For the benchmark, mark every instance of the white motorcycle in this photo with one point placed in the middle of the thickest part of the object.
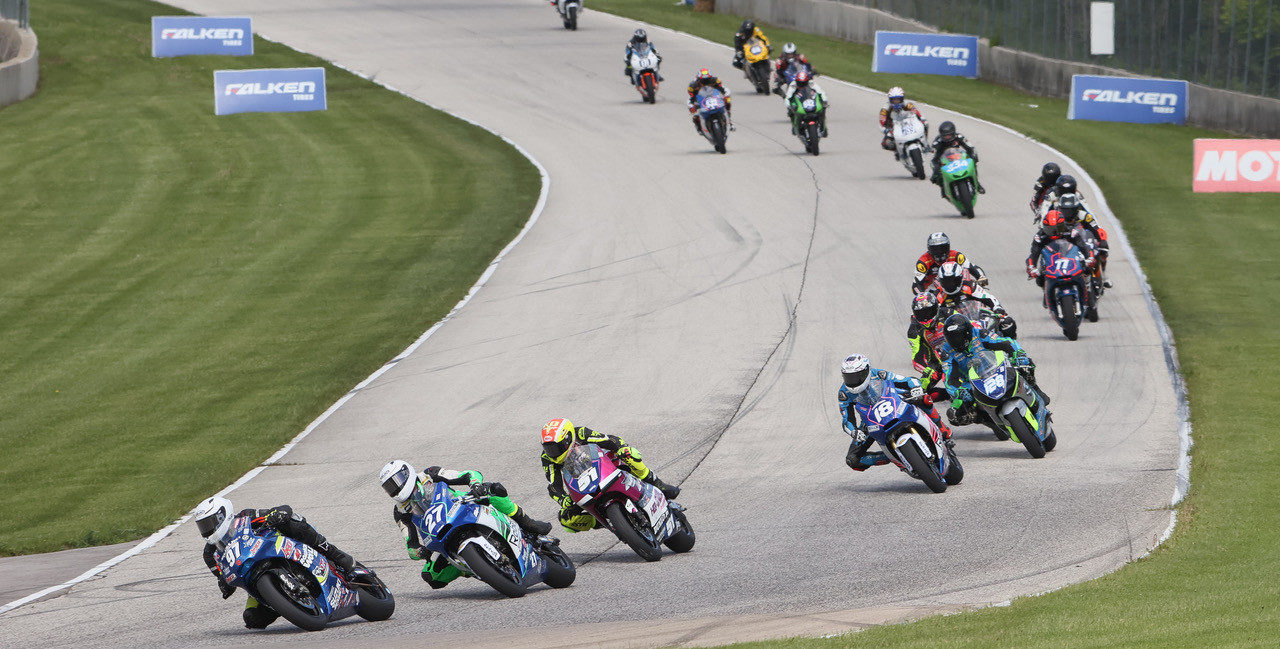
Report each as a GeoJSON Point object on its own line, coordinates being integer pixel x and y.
{"type": "Point", "coordinates": [909, 136]}
{"type": "Point", "coordinates": [569, 10]}
{"type": "Point", "coordinates": [644, 72]}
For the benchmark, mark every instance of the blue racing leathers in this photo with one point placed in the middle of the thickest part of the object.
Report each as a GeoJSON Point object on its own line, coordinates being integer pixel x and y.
{"type": "Point", "coordinates": [956, 363]}
{"type": "Point", "coordinates": [853, 415]}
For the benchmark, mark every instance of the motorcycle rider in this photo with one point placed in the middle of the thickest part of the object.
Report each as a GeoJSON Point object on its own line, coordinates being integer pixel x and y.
{"type": "Point", "coordinates": [1049, 175]}
{"type": "Point", "coordinates": [1074, 214]}
{"type": "Point", "coordinates": [400, 481]}
{"type": "Point", "coordinates": [897, 101]}
{"type": "Point", "coordinates": [924, 334]}
{"type": "Point", "coordinates": [1054, 227]}
{"type": "Point", "coordinates": [802, 81]}
{"type": "Point", "coordinates": [558, 436]}
{"type": "Point", "coordinates": [947, 138]}
{"type": "Point", "coordinates": [963, 339]}
{"type": "Point", "coordinates": [744, 34]}
{"type": "Point", "coordinates": [707, 80]}
{"type": "Point", "coordinates": [938, 252]}
{"type": "Point", "coordinates": [855, 397]}
{"type": "Point", "coordinates": [789, 56]}
{"type": "Point", "coordinates": [956, 288]}
{"type": "Point", "coordinates": [640, 36]}
{"type": "Point", "coordinates": [214, 520]}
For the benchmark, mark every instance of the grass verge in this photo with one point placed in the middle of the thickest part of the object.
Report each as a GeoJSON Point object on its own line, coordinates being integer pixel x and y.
{"type": "Point", "coordinates": [182, 292]}
{"type": "Point", "coordinates": [1213, 267]}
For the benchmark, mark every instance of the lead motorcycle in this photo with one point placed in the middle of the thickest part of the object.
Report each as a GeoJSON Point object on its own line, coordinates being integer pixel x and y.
{"type": "Point", "coordinates": [713, 111]}
{"type": "Point", "coordinates": [296, 581]}
{"type": "Point", "coordinates": [910, 439]}
{"type": "Point", "coordinates": [636, 511]}
{"type": "Point", "coordinates": [1012, 402]}
{"type": "Point", "coordinates": [644, 71]}
{"type": "Point", "coordinates": [569, 10]}
{"type": "Point", "coordinates": [756, 64]}
{"type": "Point", "coordinates": [910, 137]}
{"type": "Point", "coordinates": [483, 542]}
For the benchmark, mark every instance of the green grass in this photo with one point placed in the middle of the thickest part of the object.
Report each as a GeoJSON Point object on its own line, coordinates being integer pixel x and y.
{"type": "Point", "coordinates": [182, 293]}
{"type": "Point", "coordinates": [1212, 262]}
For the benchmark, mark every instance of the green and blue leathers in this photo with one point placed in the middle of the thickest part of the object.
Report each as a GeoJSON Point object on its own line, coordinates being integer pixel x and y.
{"type": "Point", "coordinates": [955, 363]}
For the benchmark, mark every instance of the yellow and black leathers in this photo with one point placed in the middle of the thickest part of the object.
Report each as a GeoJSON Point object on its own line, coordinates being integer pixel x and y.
{"type": "Point", "coordinates": [572, 517]}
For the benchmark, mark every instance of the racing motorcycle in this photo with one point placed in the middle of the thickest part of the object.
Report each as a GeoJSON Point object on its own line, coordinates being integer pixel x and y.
{"type": "Point", "coordinates": [911, 139]}
{"type": "Point", "coordinates": [1068, 286]}
{"type": "Point", "coordinates": [756, 67]}
{"type": "Point", "coordinates": [958, 174]}
{"type": "Point", "coordinates": [644, 71]}
{"type": "Point", "coordinates": [569, 10]}
{"type": "Point", "coordinates": [808, 113]}
{"type": "Point", "coordinates": [1013, 404]}
{"type": "Point", "coordinates": [634, 510]}
{"type": "Point", "coordinates": [299, 583]}
{"type": "Point", "coordinates": [713, 112]}
{"type": "Point", "coordinates": [483, 542]}
{"type": "Point", "coordinates": [910, 439]}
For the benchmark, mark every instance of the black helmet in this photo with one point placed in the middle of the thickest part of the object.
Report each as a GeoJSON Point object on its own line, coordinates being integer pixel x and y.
{"type": "Point", "coordinates": [939, 246]}
{"type": "Point", "coordinates": [1050, 172]}
{"type": "Point", "coordinates": [640, 36]}
{"type": "Point", "coordinates": [947, 129]}
{"type": "Point", "coordinates": [1069, 206]}
{"type": "Point", "coordinates": [748, 27]}
{"type": "Point", "coordinates": [924, 308]}
{"type": "Point", "coordinates": [958, 332]}
{"type": "Point", "coordinates": [1066, 185]}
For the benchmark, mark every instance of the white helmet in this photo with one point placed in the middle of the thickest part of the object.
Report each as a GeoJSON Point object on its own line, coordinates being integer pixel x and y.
{"type": "Point", "coordinates": [857, 372]}
{"type": "Point", "coordinates": [789, 48]}
{"type": "Point", "coordinates": [898, 93]}
{"type": "Point", "coordinates": [213, 518]}
{"type": "Point", "coordinates": [951, 277]}
{"type": "Point", "coordinates": [398, 479]}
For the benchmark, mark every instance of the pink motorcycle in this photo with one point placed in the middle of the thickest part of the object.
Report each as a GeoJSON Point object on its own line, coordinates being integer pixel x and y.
{"type": "Point", "coordinates": [636, 511]}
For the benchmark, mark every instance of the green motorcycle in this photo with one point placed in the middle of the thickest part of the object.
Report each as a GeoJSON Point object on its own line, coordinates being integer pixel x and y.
{"type": "Point", "coordinates": [808, 118]}
{"type": "Point", "coordinates": [959, 179]}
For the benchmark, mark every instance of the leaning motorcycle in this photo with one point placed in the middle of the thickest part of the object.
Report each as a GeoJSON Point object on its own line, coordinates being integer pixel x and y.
{"type": "Point", "coordinates": [299, 583]}
{"type": "Point", "coordinates": [910, 138]}
{"type": "Point", "coordinates": [483, 542]}
{"type": "Point", "coordinates": [713, 113]}
{"type": "Point", "coordinates": [1068, 290]}
{"type": "Point", "coordinates": [756, 66]}
{"type": "Point", "coordinates": [958, 180]}
{"type": "Point", "coordinates": [1011, 402]}
{"type": "Point", "coordinates": [910, 439]}
{"type": "Point", "coordinates": [644, 71]}
{"type": "Point", "coordinates": [808, 112]}
{"type": "Point", "coordinates": [569, 10]}
{"type": "Point", "coordinates": [636, 511]}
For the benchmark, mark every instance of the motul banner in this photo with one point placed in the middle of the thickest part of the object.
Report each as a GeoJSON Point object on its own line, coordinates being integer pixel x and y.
{"type": "Point", "coordinates": [1236, 166]}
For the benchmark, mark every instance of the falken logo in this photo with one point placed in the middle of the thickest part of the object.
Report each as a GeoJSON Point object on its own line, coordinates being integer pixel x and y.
{"type": "Point", "coordinates": [1131, 97]}
{"type": "Point", "coordinates": [278, 88]}
{"type": "Point", "coordinates": [931, 51]}
{"type": "Point", "coordinates": [206, 33]}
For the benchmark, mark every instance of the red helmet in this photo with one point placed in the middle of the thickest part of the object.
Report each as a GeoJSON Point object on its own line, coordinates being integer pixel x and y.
{"type": "Point", "coordinates": [802, 78]}
{"type": "Point", "coordinates": [1053, 219]}
{"type": "Point", "coordinates": [705, 74]}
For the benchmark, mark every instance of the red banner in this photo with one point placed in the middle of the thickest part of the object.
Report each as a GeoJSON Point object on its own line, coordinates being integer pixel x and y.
{"type": "Point", "coordinates": [1236, 166]}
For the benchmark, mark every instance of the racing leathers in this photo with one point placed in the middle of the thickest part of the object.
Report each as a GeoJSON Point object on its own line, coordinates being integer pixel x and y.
{"type": "Point", "coordinates": [740, 39]}
{"type": "Point", "coordinates": [853, 415]}
{"type": "Point", "coordinates": [438, 571]}
{"type": "Point", "coordinates": [927, 269]}
{"type": "Point", "coordinates": [631, 49]}
{"type": "Point", "coordinates": [1046, 235]}
{"type": "Point", "coordinates": [940, 145]}
{"type": "Point", "coordinates": [283, 520]}
{"type": "Point", "coordinates": [886, 124]}
{"type": "Point", "coordinates": [698, 84]}
{"type": "Point", "coordinates": [791, 113]}
{"type": "Point", "coordinates": [956, 368]}
{"type": "Point", "coordinates": [780, 71]}
{"type": "Point", "coordinates": [925, 340]}
{"type": "Point", "coordinates": [575, 518]}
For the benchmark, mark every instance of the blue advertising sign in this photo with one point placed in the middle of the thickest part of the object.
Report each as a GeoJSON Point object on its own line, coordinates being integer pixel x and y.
{"type": "Point", "coordinates": [951, 54]}
{"type": "Point", "coordinates": [183, 35]}
{"type": "Point", "coordinates": [271, 90]}
{"type": "Point", "coordinates": [1126, 99]}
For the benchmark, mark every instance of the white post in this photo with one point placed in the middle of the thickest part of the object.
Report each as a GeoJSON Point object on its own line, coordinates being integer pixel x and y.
{"type": "Point", "coordinates": [1102, 28]}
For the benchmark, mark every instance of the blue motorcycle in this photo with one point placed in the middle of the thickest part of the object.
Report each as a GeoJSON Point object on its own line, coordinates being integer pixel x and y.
{"type": "Point", "coordinates": [1011, 401]}
{"type": "Point", "coordinates": [296, 581]}
{"type": "Point", "coordinates": [713, 111]}
{"type": "Point", "coordinates": [910, 439]}
{"type": "Point", "coordinates": [1068, 294]}
{"type": "Point", "coordinates": [483, 542]}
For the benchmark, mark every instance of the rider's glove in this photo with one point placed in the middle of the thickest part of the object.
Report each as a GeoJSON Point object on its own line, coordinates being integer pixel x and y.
{"type": "Point", "coordinates": [227, 589]}
{"type": "Point", "coordinates": [1022, 360]}
{"type": "Point", "coordinates": [277, 516]}
{"type": "Point", "coordinates": [479, 490]}
{"type": "Point", "coordinates": [496, 489]}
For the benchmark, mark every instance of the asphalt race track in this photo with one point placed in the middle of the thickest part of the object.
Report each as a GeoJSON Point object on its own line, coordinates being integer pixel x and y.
{"type": "Point", "coordinates": [698, 305]}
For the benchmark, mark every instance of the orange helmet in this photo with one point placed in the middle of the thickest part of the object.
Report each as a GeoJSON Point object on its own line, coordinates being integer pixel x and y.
{"type": "Point", "coordinates": [705, 74]}
{"type": "Point", "coordinates": [557, 437]}
{"type": "Point", "coordinates": [1054, 222]}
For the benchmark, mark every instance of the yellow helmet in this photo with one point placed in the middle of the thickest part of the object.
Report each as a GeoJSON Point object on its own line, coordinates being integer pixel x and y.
{"type": "Point", "coordinates": [557, 437]}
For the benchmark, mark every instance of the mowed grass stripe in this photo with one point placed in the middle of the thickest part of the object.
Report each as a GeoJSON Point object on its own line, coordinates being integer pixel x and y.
{"type": "Point", "coordinates": [182, 292]}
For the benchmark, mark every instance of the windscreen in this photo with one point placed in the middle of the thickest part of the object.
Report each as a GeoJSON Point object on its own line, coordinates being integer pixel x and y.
{"type": "Point", "coordinates": [581, 457]}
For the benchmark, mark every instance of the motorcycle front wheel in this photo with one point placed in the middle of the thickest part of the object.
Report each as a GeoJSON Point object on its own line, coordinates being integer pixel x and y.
{"type": "Point", "coordinates": [683, 539]}
{"type": "Point", "coordinates": [927, 473]}
{"type": "Point", "coordinates": [1028, 438]}
{"type": "Point", "coordinates": [917, 164]}
{"type": "Point", "coordinates": [642, 541]}
{"type": "Point", "coordinates": [814, 135]}
{"type": "Point", "coordinates": [560, 569]}
{"type": "Point", "coordinates": [376, 601]}
{"type": "Point", "coordinates": [501, 580]}
{"type": "Point", "coordinates": [302, 610]}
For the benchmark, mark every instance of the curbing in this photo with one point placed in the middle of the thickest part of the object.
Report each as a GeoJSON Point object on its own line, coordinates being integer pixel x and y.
{"type": "Point", "coordinates": [278, 455]}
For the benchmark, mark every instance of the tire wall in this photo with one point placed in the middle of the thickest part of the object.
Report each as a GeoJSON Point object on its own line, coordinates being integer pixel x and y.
{"type": "Point", "coordinates": [19, 63]}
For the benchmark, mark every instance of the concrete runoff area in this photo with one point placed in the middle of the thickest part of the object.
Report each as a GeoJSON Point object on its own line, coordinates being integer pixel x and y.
{"type": "Point", "coordinates": [698, 305]}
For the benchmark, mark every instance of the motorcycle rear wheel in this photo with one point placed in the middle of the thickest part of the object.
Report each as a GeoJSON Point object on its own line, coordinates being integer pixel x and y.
{"type": "Point", "coordinates": [275, 597]}
{"type": "Point", "coordinates": [927, 473]}
{"type": "Point", "coordinates": [647, 548]}
{"type": "Point", "coordinates": [480, 563]}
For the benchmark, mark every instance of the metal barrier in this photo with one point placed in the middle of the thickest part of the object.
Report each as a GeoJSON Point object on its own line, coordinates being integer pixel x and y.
{"type": "Point", "coordinates": [1219, 43]}
{"type": "Point", "coordinates": [17, 10]}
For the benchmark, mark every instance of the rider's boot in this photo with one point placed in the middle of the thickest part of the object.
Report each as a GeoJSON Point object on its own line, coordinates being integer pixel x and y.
{"type": "Point", "coordinates": [697, 124]}
{"type": "Point", "coordinates": [669, 490]}
{"type": "Point", "coordinates": [338, 558]}
{"type": "Point", "coordinates": [257, 616]}
{"type": "Point", "coordinates": [530, 525]}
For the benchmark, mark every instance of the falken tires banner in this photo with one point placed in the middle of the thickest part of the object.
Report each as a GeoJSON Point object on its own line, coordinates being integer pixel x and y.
{"type": "Point", "coordinates": [1236, 166]}
{"type": "Point", "coordinates": [950, 54]}
{"type": "Point", "coordinates": [1128, 99]}
{"type": "Point", "coordinates": [186, 35]}
{"type": "Point", "coordinates": [270, 90]}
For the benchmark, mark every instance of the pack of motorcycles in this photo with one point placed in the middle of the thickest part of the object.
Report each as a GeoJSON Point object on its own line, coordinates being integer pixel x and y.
{"type": "Point", "coordinates": [485, 544]}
